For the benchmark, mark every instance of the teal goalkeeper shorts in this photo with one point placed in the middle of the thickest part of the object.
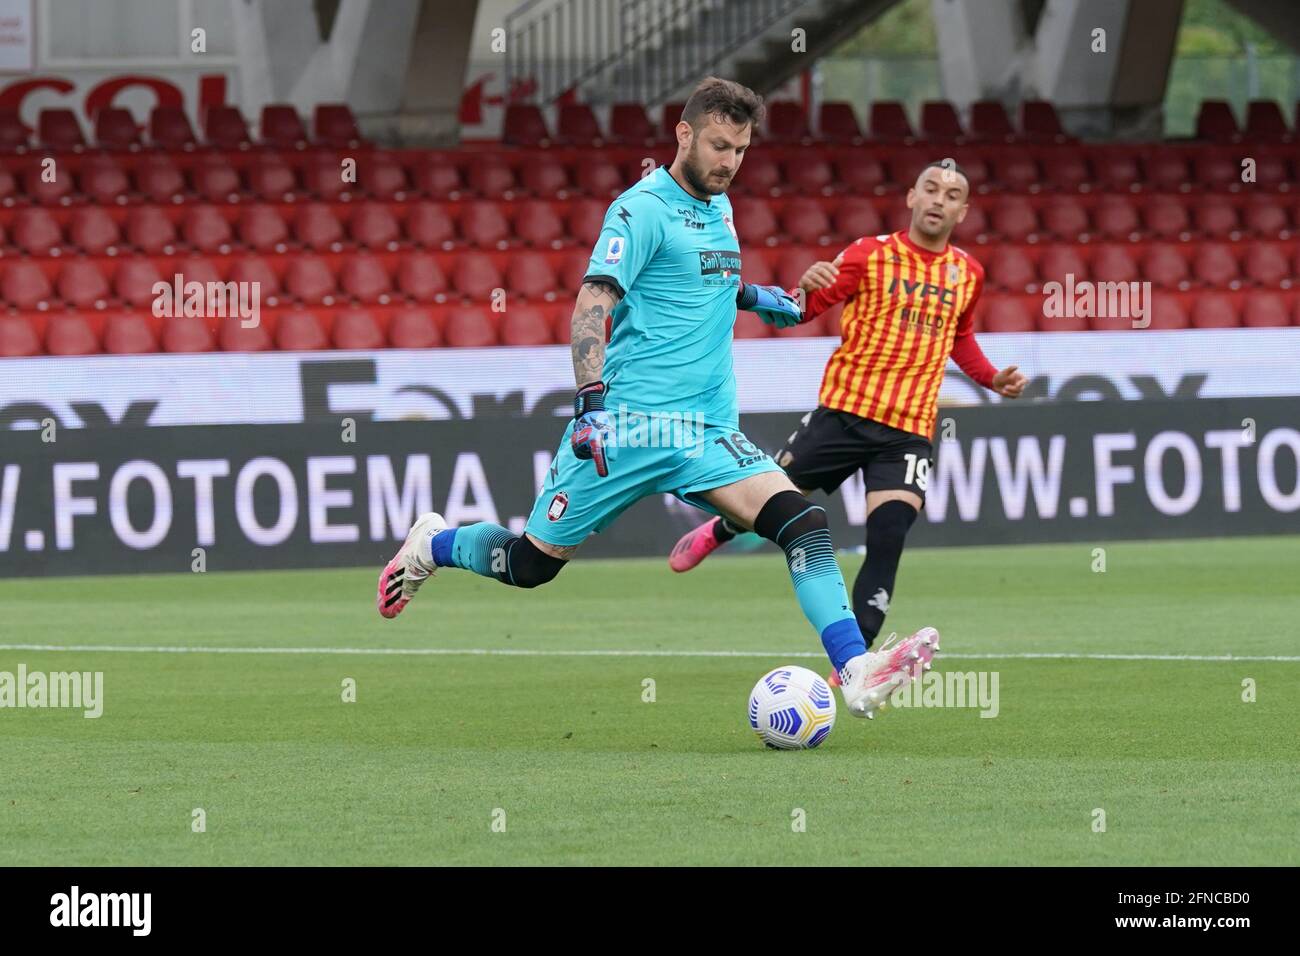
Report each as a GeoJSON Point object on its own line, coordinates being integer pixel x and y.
{"type": "Point", "coordinates": [658, 459]}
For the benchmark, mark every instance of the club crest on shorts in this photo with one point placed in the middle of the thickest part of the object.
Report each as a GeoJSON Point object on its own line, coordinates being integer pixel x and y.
{"type": "Point", "coordinates": [559, 504]}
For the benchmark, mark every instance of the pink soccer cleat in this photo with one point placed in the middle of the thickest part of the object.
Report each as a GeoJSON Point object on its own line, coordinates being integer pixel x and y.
{"type": "Point", "coordinates": [695, 546]}
{"type": "Point", "coordinates": [406, 572]}
{"type": "Point", "coordinates": [867, 680]}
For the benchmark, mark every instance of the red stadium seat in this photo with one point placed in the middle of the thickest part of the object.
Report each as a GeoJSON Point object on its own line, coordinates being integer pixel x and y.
{"type": "Point", "coordinates": [134, 281]}
{"type": "Point", "coordinates": [856, 217]}
{"type": "Point", "coordinates": [187, 334]}
{"type": "Point", "coordinates": [1266, 218]}
{"type": "Point", "coordinates": [1164, 266]}
{"type": "Point", "coordinates": [1166, 218]}
{"type": "Point", "coordinates": [70, 335]}
{"type": "Point", "coordinates": [974, 228]}
{"type": "Point", "coordinates": [760, 175]}
{"type": "Point", "coordinates": [129, 333]}
{"type": "Point", "coordinates": [13, 132]}
{"type": "Point", "coordinates": [838, 124]}
{"type": "Point", "coordinates": [756, 269]}
{"type": "Point", "coordinates": [1067, 173]}
{"type": "Point", "coordinates": [159, 180]}
{"type": "Point", "coordinates": [216, 181]}
{"type": "Point", "coordinates": [1039, 122]}
{"type": "Point", "coordinates": [281, 127]}
{"type": "Point", "coordinates": [169, 128]}
{"type": "Point", "coordinates": [233, 336]}
{"type": "Point", "coordinates": [1214, 311]}
{"type": "Point", "coordinates": [524, 126]}
{"type": "Point", "coordinates": [1267, 265]}
{"type": "Point", "coordinates": [58, 129]}
{"type": "Point", "coordinates": [1059, 261]}
{"type": "Point", "coordinates": [1116, 218]}
{"type": "Point", "coordinates": [597, 178]}
{"type": "Point", "coordinates": [537, 224]}
{"type": "Point", "coordinates": [36, 232]}
{"type": "Point", "coordinates": [103, 181]}
{"type": "Point", "coordinates": [939, 123]}
{"type": "Point", "coordinates": [254, 269]}
{"type": "Point", "coordinates": [93, 231]}
{"type": "Point", "coordinates": [1167, 314]}
{"type": "Point", "coordinates": [475, 277]}
{"type": "Point", "coordinates": [322, 177]}
{"type": "Point", "coordinates": [530, 275]}
{"type": "Point", "coordinates": [491, 179]}
{"type": "Point", "coordinates": [1165, 170]}
{"type": "Point", "coordinates": [1117, 171]}
{"type": "Point", "coordinates": [82, 284]}
{"type": "Point", "coordinates": [1011, 269]}
{"type": "Point", "coordinates": [261, 228]}
{"type": "Point", "coordinates": [1216, 216]}
{"type": "Point", "coordinates": [438, 180]}
{"type": "Point", "coordinates": [576, 126]}
{"type": "Point", "coordinates": [1215, 265]}
{"type": "Point", "coordinates": [792, 264]}
{"type": "Point", "coordinates": [17, 338]}
{"type": "Point", "coordinates": [1264, 123]}
{"type": "Point", "coordinates": [669, 117]}
{"type": "Point", "coordinates": [629, 126]}
{"type": "Point", "coordinates": [573, 268]}
{"type": "Point", "coordinates": [542, 177]}
{"type": "Point", "coordinates": [317, 228]}
{"type": "Point", "coordinates": [483, 224]}
{"type": "Point", "coordinates": [308, 279]}
{"type": "Point", "coordinates": [374, 226]}
{"type": "Point", "coordinates": [1065, 219]}
{"type": "Point", "coordinates": [300, 332]}
{"type": "Point", "coordinates": [224, 128]}
{"type": "Point", "coordinates": [1007, 314]}
{"type": "Point", "coordinates": [805, 222]}
{"type": "Point", "coordinates": [357, 329]}
{"type": "Point", "coordinates": [413, 329]}
{"type": "Point", "coordinates": [585, 218]}
{"type": "Point", "coordinates": [989, 122]}
{"type": "Point", "coordinates": [198, 269]}
{"type": "Point", "coordinates": [1216, 170]}
{"type": "Point", "coordinates": [470, 327]}
{"type": "Point", "coordinates": [861, 174]}
{"type": "Point", "coordinates": [1215, 122]}
{"type": "Point", "coordinates": [1265, 310]}
{"type": "Point", "coordinates": [150, 230]}
{"type": "Point", "coordinates": [1114, 264]}
{"type": "Point", "coordinates": [204, 228]}
{"type": "Point", "coordinates": [56, 189]}
{"type": "Point", "coordinates": [787, 123]}
{"type": "Point", "coordinates": [1014, 219]}
{"type": "Point", "coordinates": [26, 286]}
{"type": "Point", "coordinates": [419, 278]}
{"type": "Point", "coordinates": [429, 227]}
{"type": "Point", "coordinates": [115, 129]}
{"type": "Point", "coordinates": [1017, 171]}
{"type": "Point", "coordinates": [335, 125]}
{"type": "Point", "coordinates": [810, 175]}
{"type": "Point", "coordinates": [525, 325]}
{"type": "Point", "coordinates": [364, 278]}
{"type": "Point", "coordinates": [382, 177]}
{"type": "Point", "coordinates": [889, 123]}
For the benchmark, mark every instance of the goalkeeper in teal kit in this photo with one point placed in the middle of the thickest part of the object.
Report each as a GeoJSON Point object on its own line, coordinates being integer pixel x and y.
{"type": "Point", "coordinates": [666, 268]}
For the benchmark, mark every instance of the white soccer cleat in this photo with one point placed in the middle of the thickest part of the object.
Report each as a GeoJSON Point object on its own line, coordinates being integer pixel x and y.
{"type": "Point", "coordinates": [405, 573]}
{"type": "Point", "coordinates": [867, 680]}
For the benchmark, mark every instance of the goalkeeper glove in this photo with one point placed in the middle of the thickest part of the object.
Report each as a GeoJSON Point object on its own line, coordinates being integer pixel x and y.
{"type": "Point", "coordinates": [773, 304]}
{"type": "Point", "coordinates": [593, 432]}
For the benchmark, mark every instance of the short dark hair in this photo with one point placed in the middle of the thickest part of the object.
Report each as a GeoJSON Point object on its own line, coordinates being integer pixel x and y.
{"type": "Point", "coordinates": [715, 96]}
{"type": "Point", "coordinates": [947, 164]}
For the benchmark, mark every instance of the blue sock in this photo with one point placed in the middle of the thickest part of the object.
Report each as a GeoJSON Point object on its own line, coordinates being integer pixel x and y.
{"type": "Point", "coordinates": [475, 547]}
{"type": "Point", "coordinates": [819, 586]}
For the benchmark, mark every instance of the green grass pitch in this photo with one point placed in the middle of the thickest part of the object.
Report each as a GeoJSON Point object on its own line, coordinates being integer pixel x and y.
{"type": "Point", "coordinates": [556, 758]}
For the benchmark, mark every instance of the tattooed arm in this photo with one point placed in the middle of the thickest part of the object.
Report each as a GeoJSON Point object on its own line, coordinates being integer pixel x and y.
{"type": "Point", "coordinates": [596, 300]}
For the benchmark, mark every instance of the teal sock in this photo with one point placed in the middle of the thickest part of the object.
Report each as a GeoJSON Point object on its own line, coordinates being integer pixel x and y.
{"type": "Point", "coordinates": [476, 547]}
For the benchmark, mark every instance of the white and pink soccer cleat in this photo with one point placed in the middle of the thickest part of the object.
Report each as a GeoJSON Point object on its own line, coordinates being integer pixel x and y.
{"type": "Point", "coordinates": [694, 546]}
{"type": "Point", "coordinates": [867, 680]}
{"type": "Point", "coordinates": [406, 572]}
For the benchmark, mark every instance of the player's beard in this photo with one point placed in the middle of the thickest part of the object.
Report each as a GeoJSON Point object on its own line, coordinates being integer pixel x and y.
{"type": "Point", "coordinates": [697, 177]}
{"type": "Point", "coordinates": [942, 231]}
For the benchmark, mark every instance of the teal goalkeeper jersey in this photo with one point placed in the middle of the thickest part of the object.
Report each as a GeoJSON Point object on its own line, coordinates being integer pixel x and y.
{"type": "Point", "coordinates": [676, 261]}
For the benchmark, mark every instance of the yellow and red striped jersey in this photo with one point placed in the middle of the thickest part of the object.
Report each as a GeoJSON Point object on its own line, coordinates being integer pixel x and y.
{"type": "Point", "coordinates": [906, 310]}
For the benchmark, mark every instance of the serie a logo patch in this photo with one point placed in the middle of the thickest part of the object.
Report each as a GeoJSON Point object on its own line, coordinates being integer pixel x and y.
{"type": "Point", "coordinates": [614, 251]}
{"type": "Point", "coordinates": [559, 504]}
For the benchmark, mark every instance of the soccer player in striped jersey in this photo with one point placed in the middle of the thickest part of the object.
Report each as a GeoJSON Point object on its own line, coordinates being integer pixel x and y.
{"type": "Point", "coordinates": [909, 298]}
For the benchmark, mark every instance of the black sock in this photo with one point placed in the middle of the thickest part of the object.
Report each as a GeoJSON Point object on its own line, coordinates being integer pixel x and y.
{"type": "Point", "coordinates": [724, 530]}
{"type": "Point", "coordinates": [874, 588]}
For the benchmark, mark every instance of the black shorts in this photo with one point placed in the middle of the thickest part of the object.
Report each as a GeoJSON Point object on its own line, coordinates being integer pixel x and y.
{"type": "Point", "coordinates": [829, 446]}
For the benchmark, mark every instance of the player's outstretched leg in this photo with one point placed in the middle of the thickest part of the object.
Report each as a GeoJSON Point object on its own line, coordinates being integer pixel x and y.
{"type": "Point", "coordinates": [800, 529]}
{"type": "Point", "coordinates": [700, 542]}
{"type": "Point", "coordinates": [887, 527]}
{"type": "Point", "coordinates": [486, 549]}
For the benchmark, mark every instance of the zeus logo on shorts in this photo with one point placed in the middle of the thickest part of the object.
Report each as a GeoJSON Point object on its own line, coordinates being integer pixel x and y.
{"type": "Point", "coordinates": [559, 504]}
{"type": "Point", "coordinates": [614, 251]}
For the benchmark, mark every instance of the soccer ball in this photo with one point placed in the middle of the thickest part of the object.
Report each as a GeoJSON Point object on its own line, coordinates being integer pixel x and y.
{"type": "Point", "coordinates": [791, 708]}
